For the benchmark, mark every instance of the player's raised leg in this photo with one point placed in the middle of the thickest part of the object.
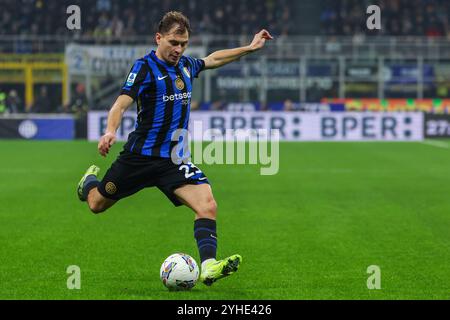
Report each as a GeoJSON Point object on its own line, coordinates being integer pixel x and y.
{"type": "Point", "coordinates": [87, 191]}
{"type": "Point", "coordinates": [200, 199]}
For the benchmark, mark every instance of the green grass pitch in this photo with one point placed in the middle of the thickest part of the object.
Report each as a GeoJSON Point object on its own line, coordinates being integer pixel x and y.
{"type": "Point", "coordinates": [309, 232]}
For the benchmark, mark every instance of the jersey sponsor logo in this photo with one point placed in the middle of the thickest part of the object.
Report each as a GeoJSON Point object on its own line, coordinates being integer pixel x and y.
{"type": "Point", "coordinates": [162, 78]}
{"type": "Point", "coordinates": [131, 79]}
{"type": "Point", "coordinates": [110, 188]}
{"type": "Point", "coordinates": [179, 84]}
{"type": "Point", "coordinates": [177, 96]}
{"type": "Point", "coordinates": [186, 72]}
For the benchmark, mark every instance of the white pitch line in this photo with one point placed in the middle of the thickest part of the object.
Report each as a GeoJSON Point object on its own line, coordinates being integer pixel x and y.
{"type": "Point", "coordinates": [438, 144]}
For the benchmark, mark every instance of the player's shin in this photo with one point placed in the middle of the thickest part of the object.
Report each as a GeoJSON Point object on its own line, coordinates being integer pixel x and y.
{"type": "Point", "coordinates": [206, 237]}
{"type": "Point", "coordinates": [90, 183]}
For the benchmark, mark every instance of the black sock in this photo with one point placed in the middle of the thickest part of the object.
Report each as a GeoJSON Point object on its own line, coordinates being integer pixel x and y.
{"type": "Point", "coordinates": [206, 236]}
{"type": "Point", "coordinates": [90, 183]}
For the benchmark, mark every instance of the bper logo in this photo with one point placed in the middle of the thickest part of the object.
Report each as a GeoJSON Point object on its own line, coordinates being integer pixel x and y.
{"type": "Point", "coordinates": [367, 127]}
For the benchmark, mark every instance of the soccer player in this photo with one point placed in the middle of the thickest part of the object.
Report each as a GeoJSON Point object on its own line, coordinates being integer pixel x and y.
{"type": "Point", "coordinates": [161, 85]}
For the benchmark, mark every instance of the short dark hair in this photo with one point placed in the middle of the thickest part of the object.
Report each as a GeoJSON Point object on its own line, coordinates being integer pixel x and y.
{"type": "Point", "coordinates": [174, 18]}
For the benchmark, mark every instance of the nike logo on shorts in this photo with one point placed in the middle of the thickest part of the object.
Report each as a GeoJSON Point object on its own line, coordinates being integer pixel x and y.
{"type": "Point", "coordinates": [161, 78]}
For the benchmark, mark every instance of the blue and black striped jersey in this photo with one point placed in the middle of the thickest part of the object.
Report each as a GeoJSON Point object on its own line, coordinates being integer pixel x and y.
{"type": "Point", "coordinates": [163, 96]}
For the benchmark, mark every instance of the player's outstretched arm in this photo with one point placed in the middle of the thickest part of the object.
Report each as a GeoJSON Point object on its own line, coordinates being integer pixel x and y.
{"type": "Point", "coordinates": [123, 102]}
{"type": "Point", "coordinates": [222, 57]}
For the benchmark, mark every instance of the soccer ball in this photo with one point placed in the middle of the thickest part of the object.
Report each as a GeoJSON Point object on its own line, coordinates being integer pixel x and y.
{"type": "Point", "coordinates": [179, 272]}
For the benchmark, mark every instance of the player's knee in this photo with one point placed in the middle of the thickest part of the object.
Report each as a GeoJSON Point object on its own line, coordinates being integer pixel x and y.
{"type": "Point", "coordinates": [97, 207]}
{"type": "Point", "coordinates": [208, 209]}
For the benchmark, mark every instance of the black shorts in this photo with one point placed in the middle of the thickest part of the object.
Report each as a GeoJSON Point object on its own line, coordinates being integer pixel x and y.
{"type": "Point", "coordinates": [132, 172]}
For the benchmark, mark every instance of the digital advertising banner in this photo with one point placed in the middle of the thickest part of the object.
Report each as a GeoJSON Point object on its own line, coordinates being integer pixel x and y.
{"type": "Point", "coordinates": [438, 106]}
{"type": "Point", "coordinates": [292, 126]}
{"type": "Point", "coordinates": [102, 60]}
{"type": "Point", "coordinates": [37, 128]}
{"type": "Point", "coordinates": [437, 126]}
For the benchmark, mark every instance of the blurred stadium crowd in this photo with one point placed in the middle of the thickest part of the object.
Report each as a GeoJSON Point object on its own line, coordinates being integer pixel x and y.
{"type": "Point", "coordinates": [46, 101]}
{"type": "Point", "coordinates": [122, 19]}
{"type": "Point", "coordinates": [231, 17]}
{"type": "Point", "coordinates": [138, 17]}
{"type": "Point", "coordinates": [399, 17]}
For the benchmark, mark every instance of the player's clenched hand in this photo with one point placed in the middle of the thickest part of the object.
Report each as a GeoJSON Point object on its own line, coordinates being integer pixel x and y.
{"type": "Point", "coordinates": [105, 143]}
{"type": "Point", "coordinates": [260, 39]}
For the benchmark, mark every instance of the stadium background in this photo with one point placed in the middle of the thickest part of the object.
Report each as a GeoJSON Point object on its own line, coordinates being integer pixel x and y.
{"type": "Point", "coordinates": [326, 77]}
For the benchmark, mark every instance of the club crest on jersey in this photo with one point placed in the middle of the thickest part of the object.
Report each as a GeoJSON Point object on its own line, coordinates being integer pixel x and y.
{"type": "Point", "coordinates": [110, 188]}
{"type": "Point", "coordinates": [131, 79]}
{"type": "Point", "coordinates": [186, 72]}
{"type": "Point", "coordinates": [179, 83]}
